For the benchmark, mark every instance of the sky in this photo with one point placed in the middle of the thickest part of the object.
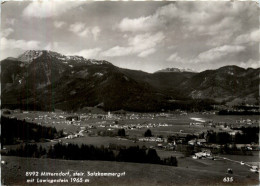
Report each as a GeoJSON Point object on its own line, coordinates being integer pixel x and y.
{"type": "Point", "coordinates": [146, 36]}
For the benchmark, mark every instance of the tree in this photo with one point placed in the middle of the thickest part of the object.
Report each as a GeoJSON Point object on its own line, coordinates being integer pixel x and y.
{"type": "Point", "coordinates": [148, 133]}
{"type": "Point", "coordinates": [201, 135]}
{"type": "Point", "coordinates": [211, 137]}
{"type": "Point", "coordinates": [188, 150]}
{"type": "Point", "coordinates": [223, 138]}
{"type": "Point", "coordinates": [170, 139]}
{"type": "Point", "coordinates": [152, 156]}
{"type": "Point", "coordinates": [171, 161]}
{"type": "Point", "coordinates": [121, 132]}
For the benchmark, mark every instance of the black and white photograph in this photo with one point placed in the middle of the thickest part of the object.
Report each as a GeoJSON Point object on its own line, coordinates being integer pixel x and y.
{"type": "Point", "coordinates": [138, 93]}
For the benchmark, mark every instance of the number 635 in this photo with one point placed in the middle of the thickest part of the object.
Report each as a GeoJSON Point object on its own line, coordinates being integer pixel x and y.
{"type": "Point", "coordinates": [228, 179]}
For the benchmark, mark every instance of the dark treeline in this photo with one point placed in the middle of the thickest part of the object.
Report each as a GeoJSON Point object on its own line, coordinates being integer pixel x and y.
{"type": "Point", "coordinates": [14, 130]}
{"type": "Point", "coordinates": [148, 133]}
{"type": "Point", "coordinates": [150, 104]}
{"type": "Point", "coordinates": [195, 105]}
{"type": "Point", "coordinates": [245, 112]}
{"type": "Point", "coordinates": [189, 150]}
{"type": "Point", "coordinates": [233, 150]}
{"type": "Point", "coordinates": [90, 152]}
{"type": "Point", "coordinates": [27, 150]}
{"type": "Point", "coordinates": [83, 152]}
{"type": "Point", "coordinates": [25, 106]}
{"type": "Point", "coordinates": [244, 107]}
{"type": "Point", "coordinates": [141, 155]}
{"type": "Point", "coordinates": [120, 132]}
{"type": "Point", "coordinates": [248, 135]}
{"type": "Point", "coordinates": [172, 138]}
{"type": "Point", "coordinates": [219, 137]}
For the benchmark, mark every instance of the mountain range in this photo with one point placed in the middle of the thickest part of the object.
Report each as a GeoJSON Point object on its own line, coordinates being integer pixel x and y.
{"type": "Point", "coordinates": [47, 80]}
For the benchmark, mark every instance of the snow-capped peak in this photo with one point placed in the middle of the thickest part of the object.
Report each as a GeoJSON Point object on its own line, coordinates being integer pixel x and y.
{"type": "Point", "coordinates": [30, 55]}
{"type": "Point", "coordinates": [176, 70]}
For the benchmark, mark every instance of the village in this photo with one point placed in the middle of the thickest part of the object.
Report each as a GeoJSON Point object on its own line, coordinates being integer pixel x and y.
{"type": "Point", "coordinates": [183, 132]}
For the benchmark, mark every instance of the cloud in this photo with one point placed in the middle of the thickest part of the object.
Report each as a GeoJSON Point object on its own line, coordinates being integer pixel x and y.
{"type": "Point", "coordinates": [138, 24]}
{"type": "Point", "coordinates": [45, 9]}
{"type": "Point", "coordinates": [175, 58]}
{"type": "Point", "coordinates": [219, 52]}
{"type": "Point", "coordinates": [117, 51]}
{"type": "Point", "coordinates": [77, 27]}
{"type": "Point", "coordinates": [59, 24]}
{"type": "Point", "coordinates": [95, 32]}
{"type": "Point", "coordinates": [155, 21]}
{"type": "Point", "coordinates": [89, 53]}
{"type": "Point", "coordinates": [54, 46]}
{"type": "Point", "coordinates": [213, 18]}
{"type": "Point", "coordinates": [208, 56]}
{"type": "Point", "coordinates": [161, 19]}
{"type": "Point", "coordinates": [143, 45]}
{"type": "Point", "coordinates": [147, 52]}
{"type": "Point", "coordinates": [186, 32]}
{"type": "Point", "coordinates": [254, 36]}
{"type": "Point", "coordinates": [82, 30]}
{"type": "Point", "coordinates": [146, 41]}
{"type": "Point", "coordinates": [250, 63]}
{"type": "Point", "coordinates": [10, 21]}
{"type": "Point", "coordinates": [19, 44]}
{"type": "Point", "coordinates": [7, 32]}
{"type": "Point", "coordinates": [213, 29]}
{"type": "Point", "coordinates": [195, 18]}
{"type": "Point", "coordinates": [220, 39]}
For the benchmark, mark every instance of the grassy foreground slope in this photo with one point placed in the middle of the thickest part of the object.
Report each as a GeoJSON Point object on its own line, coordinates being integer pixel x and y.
{"type": "Point", "coordinates": [13, 173]}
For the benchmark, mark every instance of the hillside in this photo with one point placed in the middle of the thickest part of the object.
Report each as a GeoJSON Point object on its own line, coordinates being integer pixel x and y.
{"type": "Point", "coordinates": [224, 84]}
{"type": "Point", "coordinates": [53, 81]}
{"type": "Point", "coordinates": [46, 80]}
{"type": "Point", "coordinates": [203, 173]}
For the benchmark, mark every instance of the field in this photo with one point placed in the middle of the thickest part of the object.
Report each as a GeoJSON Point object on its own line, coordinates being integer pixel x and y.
{"type": "Point", "coordinates": [200, 173]}
{"type": "Point", "coordinates": [189, 171]}
{"type": "Point", "coordinates": [176, 122]}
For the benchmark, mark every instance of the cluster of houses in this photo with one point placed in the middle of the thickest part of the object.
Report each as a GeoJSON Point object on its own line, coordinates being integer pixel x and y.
{"type": "Point", "coordinates": [161, 142]}
{"type": "Point", "coordinates": [199, 142]}
{"type": "Point", "coordinates": [247, 121]}
{"type": "Point", "coordinates": [147, 116]}
{"type": "Point", "coordinates": [221, 126]}
{"type": "Point", "coordinates": [203, 154]}
{"type": "Point", "coordinates": [197, 124]}
{"type": "Point", "coordinates": [77, 135]}
{"type": "Point", "coordinates": [134, 126]}
{"type": "Point", "coordinates": [153, 139]}
{"type": "Point", "coordinates": [124, 115]}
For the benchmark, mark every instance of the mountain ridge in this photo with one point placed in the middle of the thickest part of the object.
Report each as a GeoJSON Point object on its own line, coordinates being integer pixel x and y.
{"type": "Point", "coordinates": [175, 70]}
{"type": "Point", "coordinates": [30, 55]}
{"type": "Point", "coordinates": [46, 80]}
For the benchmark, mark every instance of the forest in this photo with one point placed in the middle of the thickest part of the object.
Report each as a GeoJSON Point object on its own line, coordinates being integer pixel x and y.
{"type": "Point", "coordinates": [133, 154]}
{"type": "Point", "coordinates": [15, 131]}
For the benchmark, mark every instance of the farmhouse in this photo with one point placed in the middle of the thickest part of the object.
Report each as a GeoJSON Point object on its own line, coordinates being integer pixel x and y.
{"type": "Point", "coordinates": [201, 141]}
{"type": "Point", "coordinates": [254, 169]}
{"type": "Point", "coordinates": [200, 155]}
{"type": "Point", "coordinates": [72, 118]}
{"type": "Point", "coordinates": [192, 142]}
